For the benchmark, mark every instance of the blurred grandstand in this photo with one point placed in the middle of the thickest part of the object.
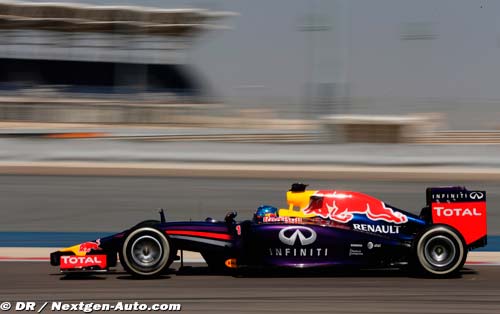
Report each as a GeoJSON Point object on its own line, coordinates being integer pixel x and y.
{"type": "Point", "coordinates": [106, 64]}
{"type": "Point", "coordinates": [362, 71]}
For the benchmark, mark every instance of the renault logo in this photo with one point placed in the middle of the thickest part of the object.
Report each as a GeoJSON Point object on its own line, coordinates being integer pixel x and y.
{"type": "Point", "coordinates": [476, 195]}
{"type": "Point", "coordinates": [289, 235]}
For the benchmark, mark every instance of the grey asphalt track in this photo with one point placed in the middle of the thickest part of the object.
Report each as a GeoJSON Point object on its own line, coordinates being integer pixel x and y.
{"type": "Point", "coordinates": [475, 291]}
{"type": "Point", "coordinates": [90, 203]}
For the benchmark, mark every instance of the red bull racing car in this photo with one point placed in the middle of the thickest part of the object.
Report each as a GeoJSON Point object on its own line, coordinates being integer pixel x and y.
{"type": "Point", "coordinates": [319, 228]}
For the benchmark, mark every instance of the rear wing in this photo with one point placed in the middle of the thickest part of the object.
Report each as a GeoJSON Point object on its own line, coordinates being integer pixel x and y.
{"type": "Point", "coordinates": [461, 209]}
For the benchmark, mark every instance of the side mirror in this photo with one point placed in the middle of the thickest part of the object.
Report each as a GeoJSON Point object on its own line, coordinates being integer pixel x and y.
{"type": "Point", "coordinates": [230, 217]}
{"type": "Point", "coordinates": [162, 216]}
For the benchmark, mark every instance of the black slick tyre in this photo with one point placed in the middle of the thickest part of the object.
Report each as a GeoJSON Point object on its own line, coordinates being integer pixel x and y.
{"type": "Point", "coordinates": [146, 252]}
{"type": "Point", "coordinates": [440, 251]}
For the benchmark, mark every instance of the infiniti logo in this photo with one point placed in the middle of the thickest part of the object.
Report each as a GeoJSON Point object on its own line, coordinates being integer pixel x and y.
{"type": "Point", "coordinates": [476, 195]}
{"type": "Point", "coordinates": [290, 234]}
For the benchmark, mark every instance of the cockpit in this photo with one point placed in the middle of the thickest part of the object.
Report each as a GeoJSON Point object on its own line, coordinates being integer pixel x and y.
{"type": "Point", "coordinates": [298, 199]}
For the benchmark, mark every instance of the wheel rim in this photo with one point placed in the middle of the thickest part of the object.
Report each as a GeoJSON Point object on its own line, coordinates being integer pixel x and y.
{"type": "Point", "coordinates": [146, 251]}
{"type": "Point", "coordinates": [440, 251]}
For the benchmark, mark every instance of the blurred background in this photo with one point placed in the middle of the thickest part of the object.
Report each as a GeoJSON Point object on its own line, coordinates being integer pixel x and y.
{"type": "Point", "coordinates": [192, 62]}
{"type": "Point", "coordinates": [402, 94]}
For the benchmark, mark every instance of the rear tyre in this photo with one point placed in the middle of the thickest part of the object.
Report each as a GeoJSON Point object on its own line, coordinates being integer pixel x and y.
{"type": "Point", "coordinates": [440, 251]}
{"type": "Point", "coordinates": [146, 252]}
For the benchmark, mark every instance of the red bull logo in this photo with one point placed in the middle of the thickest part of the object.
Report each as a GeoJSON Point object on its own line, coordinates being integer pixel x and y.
{"type": "Point", "coordinates": [341, 207]}
{"type": "Point", "coordinates": [90, 246]}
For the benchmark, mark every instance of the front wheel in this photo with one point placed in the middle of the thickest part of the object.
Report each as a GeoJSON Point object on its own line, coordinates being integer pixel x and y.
{"type": "Point", "coordinates": [440, 251]}
{"type": "Point", "coordinates": [146, 252]}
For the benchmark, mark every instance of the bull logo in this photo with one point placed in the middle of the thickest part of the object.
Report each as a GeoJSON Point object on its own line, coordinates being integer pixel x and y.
{"type": "Point", "coordinates": [341, 207]}
{"type": "Point", "coordinates": [90, 246]}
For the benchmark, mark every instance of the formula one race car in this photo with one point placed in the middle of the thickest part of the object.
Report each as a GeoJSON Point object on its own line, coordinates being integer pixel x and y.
{"type": "Point", "coordinates": [320, 228]}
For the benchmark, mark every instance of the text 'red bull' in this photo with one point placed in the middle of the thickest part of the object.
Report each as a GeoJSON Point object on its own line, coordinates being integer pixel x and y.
{"type": "Point", "coordinates": [341, 207]}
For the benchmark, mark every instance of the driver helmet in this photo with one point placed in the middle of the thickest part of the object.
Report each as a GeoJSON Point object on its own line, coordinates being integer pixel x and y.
{"type": "Point", "coordinates": [265, 211]}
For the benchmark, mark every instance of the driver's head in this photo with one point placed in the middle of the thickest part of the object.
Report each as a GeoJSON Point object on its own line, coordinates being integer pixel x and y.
{"type": "Point", "coordinates": [265, 211]}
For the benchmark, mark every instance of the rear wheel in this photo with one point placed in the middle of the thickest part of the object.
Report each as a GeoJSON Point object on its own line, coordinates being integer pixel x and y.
{"type": "Point", "coordinates": [146, 252]}
{"type": "Point", "coordinates": [440, 251]}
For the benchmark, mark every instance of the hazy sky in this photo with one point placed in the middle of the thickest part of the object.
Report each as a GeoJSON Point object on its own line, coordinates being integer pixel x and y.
{"type": "Point", "coordinates": [265, 57]}
{"type": "Point", "coordinates": [462, 61]}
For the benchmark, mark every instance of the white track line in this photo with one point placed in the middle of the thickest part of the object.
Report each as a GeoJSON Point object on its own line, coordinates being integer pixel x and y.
{"type": "Point", "coordinates": [42, 255]}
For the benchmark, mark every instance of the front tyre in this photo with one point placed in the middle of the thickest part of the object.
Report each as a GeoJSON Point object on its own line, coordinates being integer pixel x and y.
{"type": "Point", "coordinates": [146, 252]}
{"type": "Point", "coordinates": [440, 251]}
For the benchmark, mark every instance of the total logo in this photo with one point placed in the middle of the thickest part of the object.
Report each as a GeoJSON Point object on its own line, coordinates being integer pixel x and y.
{"type": "Point", "coordinates": [459, 212]}
{"type": "Point", "coordinates": [70, 261]}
